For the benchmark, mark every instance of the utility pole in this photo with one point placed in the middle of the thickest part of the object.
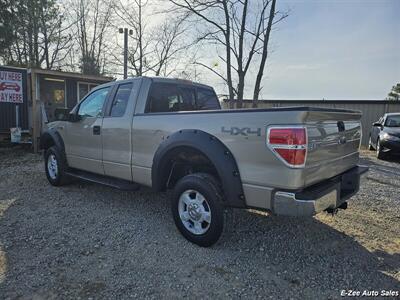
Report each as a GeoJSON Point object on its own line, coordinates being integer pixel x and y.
{"type": "Point", "coordinates": [125, 32]}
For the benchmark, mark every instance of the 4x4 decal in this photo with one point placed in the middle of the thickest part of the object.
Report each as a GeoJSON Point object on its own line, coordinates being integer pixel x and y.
{"type": "Point", "coordinates": [246, 131]}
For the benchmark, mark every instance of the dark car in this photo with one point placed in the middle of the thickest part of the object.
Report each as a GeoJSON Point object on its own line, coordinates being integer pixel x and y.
{"type": "Point", "coordinates": [385, 135]}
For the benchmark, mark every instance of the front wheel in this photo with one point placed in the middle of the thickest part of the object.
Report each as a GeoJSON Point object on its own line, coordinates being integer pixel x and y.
{"type": "Point", "coordinates": [370, 147]}
{"type": "Point", "coordinates": [379, 153]}
{"type": "Point", "coordinates": [55, 167]}
{"type": "Point", "coordinates": [197, 209]}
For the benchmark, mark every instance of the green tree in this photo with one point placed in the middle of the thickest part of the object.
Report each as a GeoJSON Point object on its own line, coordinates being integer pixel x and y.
{"type": "Point", "coordinates": [394, 94]}
{"type": "Point", "coordinates": [37, 37]}
{"type": "Point", "coordinates": [6, 32]}
{"type": "Point", "coordinates": [91, 19]}
{"type": "Point", "coordinates": [89, 65]}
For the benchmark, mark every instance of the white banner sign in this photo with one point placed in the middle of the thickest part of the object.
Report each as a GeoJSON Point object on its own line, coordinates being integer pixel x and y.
{"type": "Point", "coordinates": [11, 87]}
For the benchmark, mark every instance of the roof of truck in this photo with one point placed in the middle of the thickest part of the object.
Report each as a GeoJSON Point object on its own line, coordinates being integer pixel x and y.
{"type": "Point", "coordinates": [176, 80]}
{"type": "Point", "coordinates": [164, 79]}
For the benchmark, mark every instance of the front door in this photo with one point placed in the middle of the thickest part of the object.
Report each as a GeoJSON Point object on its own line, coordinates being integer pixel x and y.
{"type": "Point", "coordinates": [84, 138]}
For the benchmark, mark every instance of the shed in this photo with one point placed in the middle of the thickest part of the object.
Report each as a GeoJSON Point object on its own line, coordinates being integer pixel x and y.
{"type": "Point", "coordinates": [39, 93]}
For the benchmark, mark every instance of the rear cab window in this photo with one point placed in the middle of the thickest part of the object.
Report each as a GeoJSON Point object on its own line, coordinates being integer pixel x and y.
{"type": "Point", "coordinates": [207, 99]}
{"type": "Point", "coordinates": [172, 97]}
{"type": "Point", "coordinates": [121, 99]}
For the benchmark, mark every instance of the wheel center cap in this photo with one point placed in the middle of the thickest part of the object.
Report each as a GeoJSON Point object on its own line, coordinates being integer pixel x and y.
{"type": "Point", "coordinates": [194, 211]}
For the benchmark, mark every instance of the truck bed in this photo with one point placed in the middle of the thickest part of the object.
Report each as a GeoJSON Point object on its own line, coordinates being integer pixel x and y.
{"type": "Point", "coordinates": [244, 133]}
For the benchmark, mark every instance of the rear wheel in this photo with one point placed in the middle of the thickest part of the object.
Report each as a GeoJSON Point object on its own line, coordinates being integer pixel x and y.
{"type": "Point", "coordinates": [197, 209]}
{"type": "Point", "coordinates": [55, 167]}
{"type": "Point", "coordinates": [379, 153]}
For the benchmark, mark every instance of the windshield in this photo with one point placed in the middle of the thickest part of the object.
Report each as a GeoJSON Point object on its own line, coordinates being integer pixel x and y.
{"type": "Point", "coordinates": [393, 121]}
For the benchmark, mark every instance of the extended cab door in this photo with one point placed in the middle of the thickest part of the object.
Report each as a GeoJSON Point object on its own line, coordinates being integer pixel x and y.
{"type": "Point", "coordinates": [83, 142]}
{"type": "Point", "coordinates": [116, 130]}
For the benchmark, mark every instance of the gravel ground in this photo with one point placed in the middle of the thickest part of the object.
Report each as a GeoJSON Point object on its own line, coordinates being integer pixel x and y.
{"type": "Point", "coordinates": [92, 242]}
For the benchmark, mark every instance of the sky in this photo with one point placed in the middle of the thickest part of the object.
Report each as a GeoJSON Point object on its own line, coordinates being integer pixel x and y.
{"type": "Point", "coordinates": [325, 49]}
{"type": "Point", "coordinates": [334, 49]}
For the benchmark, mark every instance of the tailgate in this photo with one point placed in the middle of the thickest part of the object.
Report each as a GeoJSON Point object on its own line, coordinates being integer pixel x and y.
{"type": "Point", "coordinates": [333, 141]}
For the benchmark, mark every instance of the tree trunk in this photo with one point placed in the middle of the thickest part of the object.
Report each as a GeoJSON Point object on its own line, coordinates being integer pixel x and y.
{"type": "Point", "coordinates": [30, 37]}
{"type": "Point", "coordinates": [260, 74]}
{"type": "Point", "coordinates": [240, 71]}
{"type": "Point", "coordinates": [240, 90]}
{"type": "Point", "coordinates": [140, 40]}
{"type": "Point", "coordinates": [228, 55]}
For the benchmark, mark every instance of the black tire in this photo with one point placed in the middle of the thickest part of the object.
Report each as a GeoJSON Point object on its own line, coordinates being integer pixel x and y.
{"type": "Point", "coordinates": [379, 153]}
{"type": "Point", "coordinates": [370, 147]}
{"type": "Point", "coordinates": [209, 188]}
{"type": "Point", "coordinates": [60, 178]}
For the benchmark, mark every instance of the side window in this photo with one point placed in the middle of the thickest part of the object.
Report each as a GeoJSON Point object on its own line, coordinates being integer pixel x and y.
{"type": "Point", "coordinates": [167, 97]}
{"type": "Point", "coordinates": [206, 99]}
{"type": "Point", "coordinates": [121, 99]}
{"type": "Point", "coordinates": [92, 105]}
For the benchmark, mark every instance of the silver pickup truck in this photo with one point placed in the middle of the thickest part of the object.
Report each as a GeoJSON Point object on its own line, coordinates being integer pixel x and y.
{"type": "Point", "coordinates": [172, 134]}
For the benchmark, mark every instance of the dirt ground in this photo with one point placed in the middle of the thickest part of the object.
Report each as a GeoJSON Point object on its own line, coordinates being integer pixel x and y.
{"type": "Point", "coordinates": [85, 241]}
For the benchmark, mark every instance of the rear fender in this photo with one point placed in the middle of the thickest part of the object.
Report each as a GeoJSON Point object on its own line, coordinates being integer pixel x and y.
{"type": "Point", "coordinates": [219, 155]}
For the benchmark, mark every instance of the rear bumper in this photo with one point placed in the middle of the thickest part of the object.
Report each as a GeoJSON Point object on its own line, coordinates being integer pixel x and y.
{"type": "Point", "coordinates": [330, 193]}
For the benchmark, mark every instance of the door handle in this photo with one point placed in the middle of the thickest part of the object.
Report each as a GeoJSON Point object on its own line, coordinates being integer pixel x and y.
{"type": "Point", "coordinates": [96, 130]}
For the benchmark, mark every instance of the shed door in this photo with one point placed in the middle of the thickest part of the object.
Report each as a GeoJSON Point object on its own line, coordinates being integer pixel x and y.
{"type": "Point", "coordinates": [52, 94]}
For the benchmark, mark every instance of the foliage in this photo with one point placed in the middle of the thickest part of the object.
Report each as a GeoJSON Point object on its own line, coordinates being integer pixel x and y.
{"type": "Point", "coordinates": [394, 94]}
{"type": "Point", "coordinates": [75, 35]}
{"type": "Point", "coordinates": [240, 32]}
{"type": "Point", "coordinates": [89, 65]}
{"type": "Point", "coordinates": [35, 34]}
{"type": "Point", "coordinates": [6, 36]}
{"type": "Point", "coordinates": [155, 48]}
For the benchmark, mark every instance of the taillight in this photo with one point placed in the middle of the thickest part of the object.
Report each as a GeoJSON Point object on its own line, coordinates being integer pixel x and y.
{"type": "Point", "coordinates": [289, 144]}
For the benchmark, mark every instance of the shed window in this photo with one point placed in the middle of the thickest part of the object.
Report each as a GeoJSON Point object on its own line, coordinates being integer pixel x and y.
{"type": "Point", "coordinates": [84, 88]}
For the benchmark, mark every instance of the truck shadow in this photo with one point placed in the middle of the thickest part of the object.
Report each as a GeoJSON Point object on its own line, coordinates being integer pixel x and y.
{"type": "Point", "coordinates": [85, 245]}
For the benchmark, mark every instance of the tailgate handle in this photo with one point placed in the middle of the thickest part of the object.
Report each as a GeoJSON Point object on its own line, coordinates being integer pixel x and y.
{"type": "Point", "coordinates": [340, 125]}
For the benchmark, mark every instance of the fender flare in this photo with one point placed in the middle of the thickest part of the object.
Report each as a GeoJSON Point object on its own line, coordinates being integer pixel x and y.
{"type": "Point", "coordinates": [52, 135]}
{"type": "Point", "coordinates": [210, 146]}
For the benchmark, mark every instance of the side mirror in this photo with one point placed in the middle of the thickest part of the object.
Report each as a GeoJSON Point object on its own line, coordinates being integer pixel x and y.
{"type": "Point", "coordinates": [377, 124]}
{"type": "Point", "coordinates": [61, 114]}
{"type": "Point", "coordinates": [74, 117]}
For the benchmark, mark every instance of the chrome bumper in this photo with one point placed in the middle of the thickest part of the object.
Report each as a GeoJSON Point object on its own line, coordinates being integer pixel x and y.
{"type": "Point", "coordinates": [320, 197]}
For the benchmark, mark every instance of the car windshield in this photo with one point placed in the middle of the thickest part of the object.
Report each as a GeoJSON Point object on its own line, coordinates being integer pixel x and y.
{"type": "Point", "coordinates": [393, 121]}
